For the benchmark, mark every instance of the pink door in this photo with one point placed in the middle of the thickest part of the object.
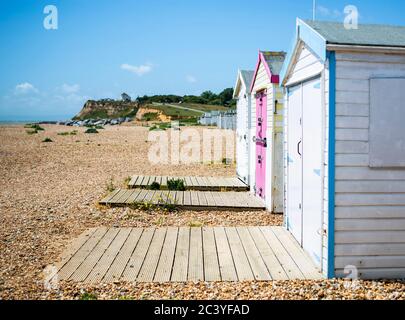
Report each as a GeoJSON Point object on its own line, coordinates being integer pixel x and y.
{"type": "Point", "coordinates": [261, 143]}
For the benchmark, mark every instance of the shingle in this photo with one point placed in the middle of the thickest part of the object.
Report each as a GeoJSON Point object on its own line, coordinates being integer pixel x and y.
{"type": "Point", "coordinates": [366, 34]}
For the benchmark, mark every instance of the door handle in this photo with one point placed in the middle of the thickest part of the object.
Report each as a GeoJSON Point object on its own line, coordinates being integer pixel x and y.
{"type": "Point", "coordinates": [298, 148]}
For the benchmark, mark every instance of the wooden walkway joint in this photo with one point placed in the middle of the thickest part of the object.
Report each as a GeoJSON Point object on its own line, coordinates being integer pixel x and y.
{"type": "Point", "coordinates": [185, 254]}
{"type": "Point", "coordinates": [191, 183]}
{"type": "Point", "coordinates": [194, 200]}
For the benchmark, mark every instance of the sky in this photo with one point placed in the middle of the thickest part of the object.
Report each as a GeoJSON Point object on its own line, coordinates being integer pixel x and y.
{"type": "Point", "coordinates": [102, 48]}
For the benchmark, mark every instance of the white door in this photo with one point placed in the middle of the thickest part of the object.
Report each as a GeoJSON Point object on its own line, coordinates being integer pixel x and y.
{"type": "Point", "coordinates": [294, 163]}
{"type": "Point", "coordinates": [242, 142]}
{"type": "Point", "coordinates": [312, 168]}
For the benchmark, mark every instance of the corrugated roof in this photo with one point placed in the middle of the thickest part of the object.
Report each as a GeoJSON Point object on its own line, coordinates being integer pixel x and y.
{"type": "Point", "coordinates": [247, 76]}
{"type": "Point", "coordinates": [274, 60]}
{"type": "Point", "coordinates": [366, 34]}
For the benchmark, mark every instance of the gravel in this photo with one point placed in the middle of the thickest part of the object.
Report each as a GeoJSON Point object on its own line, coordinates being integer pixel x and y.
{"type": "Point", "coordinates": [49, 196]}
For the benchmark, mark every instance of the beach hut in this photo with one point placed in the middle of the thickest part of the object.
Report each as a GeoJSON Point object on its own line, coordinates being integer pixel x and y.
{"type": "Point", "coordinates": [345, 147]}
{"type": "Point", "coordinates": [266, 151]}
{"type": "Point", "coordinates": [243, 123]}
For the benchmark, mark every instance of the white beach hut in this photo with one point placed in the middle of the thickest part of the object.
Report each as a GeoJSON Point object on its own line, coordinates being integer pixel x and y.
{"type": "Point", "coordinates": [345, 147]}
{"type": "Point", "coordinates": [243, 123]}
{"type": "Point", "coordinates": [266, 145]}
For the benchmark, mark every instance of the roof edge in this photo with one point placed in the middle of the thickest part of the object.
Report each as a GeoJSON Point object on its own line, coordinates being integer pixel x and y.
{"type": "Point", "coordinates": [309, 36]}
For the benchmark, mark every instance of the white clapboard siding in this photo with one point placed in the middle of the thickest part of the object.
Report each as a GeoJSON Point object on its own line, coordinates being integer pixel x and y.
{"type": "Point", "coordinates": [374, 212]}
{"type": "Point", "coordinates": [370, 224]}
{"type": "Point", "coordinates": [370, 249]}
{"type": "Point", "coordinates": [359, 186]}
{"type": "Point", "coordinates": [376, 273]}
{"type": "Point", "coordinates": [374, 199]}
{"type": "Point", "coordinates": [349, 85]}
{"type": "Point", "coordinates": [351, 160]}
{"type": "Point", "coordinates": [352, 135]}
{"type": "Point", "coordinates": [351, 122]}
{"type": "Point", "coordinates": [353, 110]}
{"type": "Point", "coordinates": [369, 237]}
{"type": "Point", "coordinates": [356, 173]}
{"type": "Point", "coordinates": [307, 65]}
{"type": "Point", "coordinates": [351, 147]}
{"type": "Point", "coordinates": [370, 203]}
{"type": "Point", "coordinates": [371, 262]}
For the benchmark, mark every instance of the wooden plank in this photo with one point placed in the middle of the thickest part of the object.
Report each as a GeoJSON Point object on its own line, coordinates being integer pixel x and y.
{"type": "Point", "coordinates": [157, 197]}
{"type": "Point", "coordinates": [226, 265]}
{"type": "Point", "coordinates": [164, 181]}
{"type": "Point", "coordinates": [256, 262]}
{"type": "Point", "coordinates": [194, 199]}
{"type": "Point", "coordinates": [123, 256]}
{"type": "Point", "coordinates": [194, 182]}
{"type": "Point", "coordinates": [200, 183]}
{"type": "Point", "coordinates": [133, 196]}
{"type": "Point", "coordinates": [370, 224]}
{"type": "Point", "coordinates": [188, 182]}
{"type": "Point", "coordinates": [202, 199]}
{"type": "Point", "coordinates": [210, 199]}
{"type": "Point", "coordinates": [132, 182]}
{"type": "Point", "coordinates": [74, 247]}
{"type": "Point", "coordinates": [135, 262]}
{"type": "Point", "coordinates": [165, 265]}
{"type": "Point", "coordinates": [218, 199]}
{"type": "Point", "coordinates": [149, 195]}
{"type": "Point", "coordinates": [282, 255]}
{"type": "Point", "coordinates": [180, 266]}
{"type": "Point", "coordinates": [71, 266]}
{"type": "Point", "coordinates": [147, 272]}
{"type": "Point", "coordinates": [350, 237]}
{"type": "Point", "coordinates": [103, 265]}
{"type": "Point", "coordinates": [117, 196]}
{"type": "Point", "coordinates": [141, 196]}
{"type": "Point", "coordinates": [139, 181]}
{"type": "Point", "coordinates": [108, 197]}
{"type": "Point", "coordinates": [91, 260]}
{"type": "Point", "coordinates": [195, 262]}
{"type": "Point", "coordinates": [373, 249]}
{"type": "Point", "coordinates": [211, 263]}
{"type": "Point", "coordinates": [123, 198]}
{"type": "Point", "coordinates": [273, 265]}
{"type": "Point", "coordinates": [240, 259]}
{"type": "Point", "coordinates": [302, 260]}
{"type": "Point", "coordinates": [187, 198]}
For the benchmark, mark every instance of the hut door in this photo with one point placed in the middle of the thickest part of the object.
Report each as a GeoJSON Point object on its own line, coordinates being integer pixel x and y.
{"type": "Point", "coordinates": [312, 167]}
{"type": "Point", "coordinates": [261, 143]}
{"type": "Point", "coordinates": [294, 163]}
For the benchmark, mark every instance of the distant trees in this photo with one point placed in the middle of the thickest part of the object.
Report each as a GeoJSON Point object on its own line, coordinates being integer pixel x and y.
{"type": "Point", "coordinates": [207, 97]}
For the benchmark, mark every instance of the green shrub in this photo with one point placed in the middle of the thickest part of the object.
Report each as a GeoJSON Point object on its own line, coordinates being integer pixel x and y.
{"type": "Point", "coordinates": [91, 130]}
{"type": "Point", "coordinates": [36, 127]}
{"type": "Point", "coordinates": [31, 132]}
{"type": "Point", "coordinates": [176, 184]}
{"type": "Point", "coordinates": [154, 186]}
{"type": "Point", "coordinates": [47, 140]}
{"type": "Point", "coordinates": [88, 296]}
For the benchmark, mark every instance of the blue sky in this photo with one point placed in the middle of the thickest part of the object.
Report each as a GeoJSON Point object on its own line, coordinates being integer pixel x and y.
{"type": "Point", "coordinates": [104, 47]}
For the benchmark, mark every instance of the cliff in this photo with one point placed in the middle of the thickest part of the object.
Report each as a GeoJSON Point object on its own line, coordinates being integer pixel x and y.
{"type": "Point", "coordinates": [107, 109]}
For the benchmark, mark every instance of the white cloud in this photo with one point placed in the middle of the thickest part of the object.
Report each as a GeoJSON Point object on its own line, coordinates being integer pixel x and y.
{"type": "Point", "coordinates": [324, 11]}
{"type": "Point", "coordinates": [138, 70]}
{"type": "Point", "coordinates": [24, 88]}
{"type": "Point", "coordinates": [191, 79]}
{"type": "Point", "coordinates": [66, 88]}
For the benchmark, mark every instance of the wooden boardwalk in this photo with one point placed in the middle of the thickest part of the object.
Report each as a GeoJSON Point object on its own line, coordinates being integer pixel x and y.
{"type": "Point", "coordinates": [197, 200]}
{"type": "Point", "coordinates": [191, 183]}
{"type": "Point", "coordinates": [185, 254]}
